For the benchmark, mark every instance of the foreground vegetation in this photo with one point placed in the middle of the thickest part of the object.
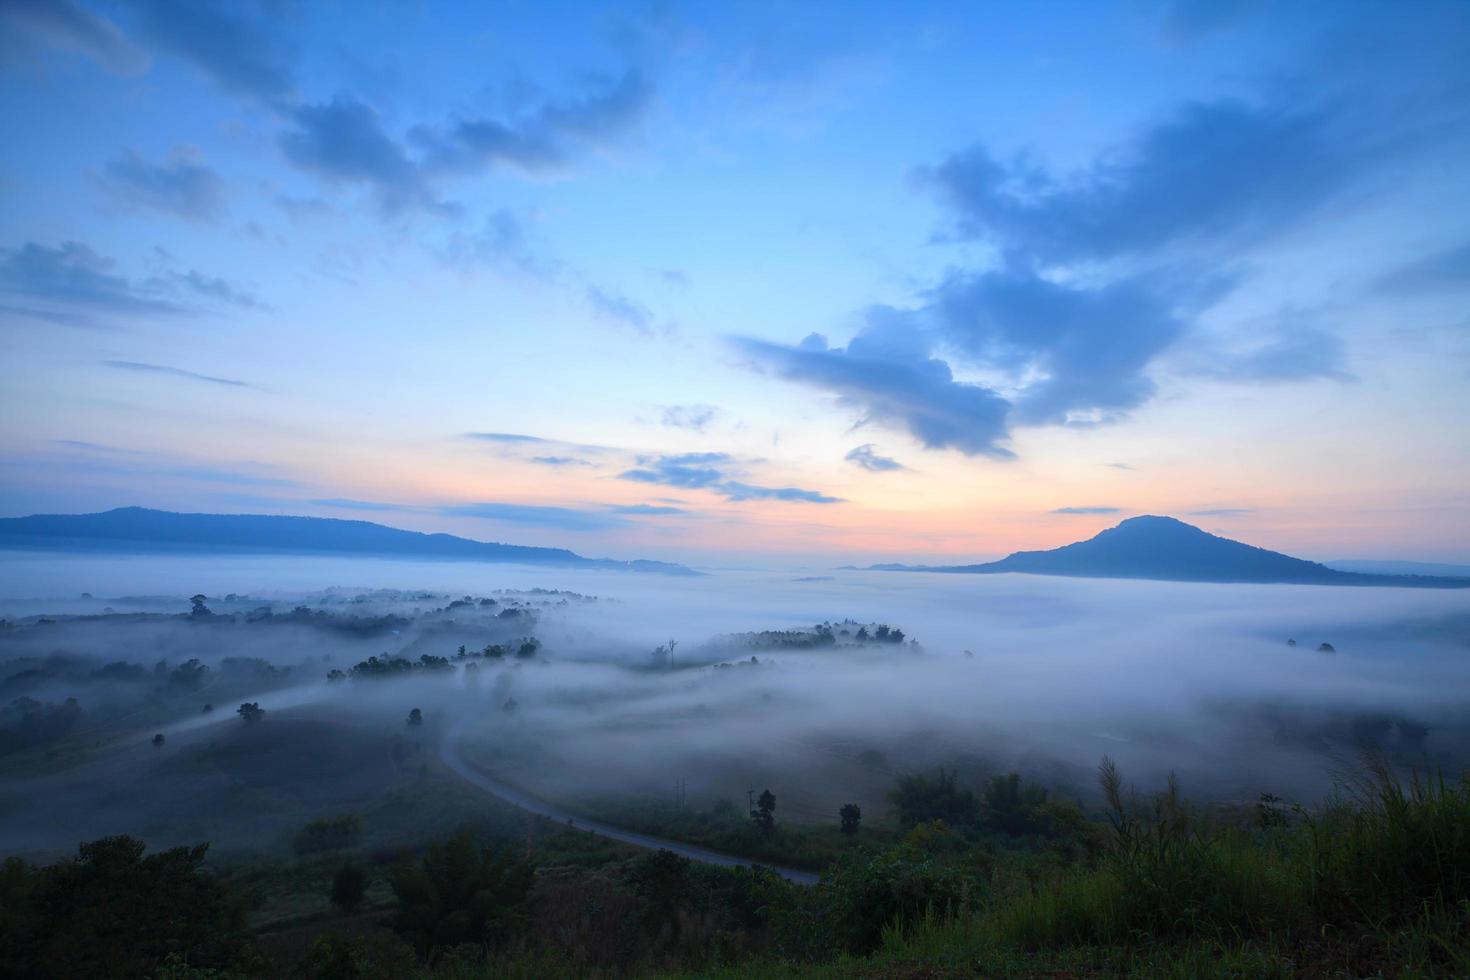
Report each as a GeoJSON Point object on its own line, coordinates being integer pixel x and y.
{"type": "Point", "coordinates": [1003, 882]}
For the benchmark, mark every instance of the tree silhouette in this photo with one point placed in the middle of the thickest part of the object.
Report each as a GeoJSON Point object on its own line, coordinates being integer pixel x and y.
{"type": "Point", "coordinates": [349, 885]}
{"type": "Point", "coordinates": [764, 813]}
{"type": "Point", "coordinates": [158, 740]}
{"type": "Point", "coordinates": [415, 718]}
{"type": "Point", "coordinates": [851, 815]}
{"type": "Point", "coordinates": [251, 711]}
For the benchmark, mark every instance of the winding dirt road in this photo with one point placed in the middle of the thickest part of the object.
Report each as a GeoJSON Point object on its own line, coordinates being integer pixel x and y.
{"type": "Point", "coordinates": [452, 755]}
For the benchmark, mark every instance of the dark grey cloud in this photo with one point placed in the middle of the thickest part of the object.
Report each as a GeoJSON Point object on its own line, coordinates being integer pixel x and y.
{"type": "Point", "coordinates": [65, 23]}
{"type": "Point", "coordinates": [565, 518]}
{"type": "Point", "coordinates": [893, 385]}
{"type": "Point", "coordinates": [694, 417]}
{"type": "Point", "coordinates": [145, 368]}
{"type": "Point", "coordinates": [181, 186]}
{"type": "Point", "coordinates": [1087, 510]}
{"type": "Point", "coordinates": [867, 457]}
{"type": "Point", "coordinates": [344, 142]}
{"type": "Point", "coordinates": [713, 472]}
{"type": "Point", "coordinates": [612, 305]}
{"type": "Point", "coordinates": [230, 44]}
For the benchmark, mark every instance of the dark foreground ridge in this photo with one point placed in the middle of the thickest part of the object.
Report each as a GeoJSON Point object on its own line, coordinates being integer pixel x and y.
{"type": "Point", "coordinates": [138, 529]}
{"type": "Point", "coordinates": [1170, 550]}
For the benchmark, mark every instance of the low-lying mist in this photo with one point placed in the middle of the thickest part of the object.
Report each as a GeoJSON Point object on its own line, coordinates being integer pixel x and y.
{"type": "Point", "coordinates": [566, 684]}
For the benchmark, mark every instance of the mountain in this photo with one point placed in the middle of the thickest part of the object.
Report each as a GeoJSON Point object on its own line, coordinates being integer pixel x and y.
{"type": "Point", "coordinates": [139, 529]}
{"type": "Point", "coordinates": [1170, 550]}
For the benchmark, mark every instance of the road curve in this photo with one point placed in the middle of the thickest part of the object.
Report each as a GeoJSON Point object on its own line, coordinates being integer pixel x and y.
{"type": "Point", "coordinates": [452, 756]}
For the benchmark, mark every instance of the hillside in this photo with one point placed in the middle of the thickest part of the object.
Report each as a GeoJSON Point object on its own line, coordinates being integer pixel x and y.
{"type": "Point", "coordinates": [1167, 549]}
{"type": "Point", "coordinates": [140, 529]}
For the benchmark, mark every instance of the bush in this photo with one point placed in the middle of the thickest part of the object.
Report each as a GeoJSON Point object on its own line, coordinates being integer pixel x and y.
{"type": "Point", "coordinates": [458, 894]}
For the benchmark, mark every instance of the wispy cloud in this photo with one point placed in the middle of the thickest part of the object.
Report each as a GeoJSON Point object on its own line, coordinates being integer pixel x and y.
{"type": "Point", "coordinates": [1222, 512]}
{"type": "Point", "coordinates": [565, 518]}
{"type": "Point", "coordinates": [867, 457]}
{"type": "Point", "coordinates": [145, 368]}
{"type": "Point", "coordinates": [181, 185]}
{"type": "Point", "coordinates": [1087, 510]}
{"type": "Point", "coordinates": [712, 471]}
{"type": "Point", "coordinates": [696, 418]}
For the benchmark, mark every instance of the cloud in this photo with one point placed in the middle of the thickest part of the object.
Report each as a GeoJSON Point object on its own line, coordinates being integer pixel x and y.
{"type": "Point", "coordinates": [1296, 355]}
{"type": "Point", "coordinates": [648, 510]}
{"type": "Point", "coordinates": [565, 518]}
{"type": "Point", "coordinates": [68, 24]}
{"type": "Point", "coordinates": [541, 139]}
{"type": "Point", "coordinates": [737, 491]}
{"type": "Point", "coordinates": [620, 309]}
{"type": "Point", "coordinates": [1445, 269]}
{"type": "Point", "coordinates": [145, 368]}
{"type": "Point", "coordinates": [867, 457]}
{"type": "Point", "coordinates": [343, 503]}
{"type": "Point", "coordinates": [181, 186]}
{"type": "Point", "coordinates": [1222, 512]}
{"type": "Point", "coordinates": [694, 417]}
{"type": "Point", "coordinates": [1184, 21]}
{"type": "Point", "coordinates": [74, 275]}
{"type": "Point", "coordinates": [1087, 510]}
{"type": "Point", "coordinates": [513, 438]}
{"type": "Point", "coordinates": [499, 244]}
{"type": "Point", "coordinates": [709, 471]}
{"type": "Point", "coordinates": [1211, 171]}
{"type": "Point", "coordinates": [1121, 466]}
{"type": "Point", "coordinates": [83, 283]}
{"type": "Point", "coordinates": [893, 385]}
{"type": "Point", "coordinates": [344, 141]}
{"type": "Point", "coordinates": [561, 461]}
{"type": "Point", "coordinates": [238, 54]}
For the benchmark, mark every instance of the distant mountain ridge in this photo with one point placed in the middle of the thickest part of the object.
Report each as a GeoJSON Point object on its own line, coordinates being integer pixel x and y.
{"type": "Point", "coordinates": [141, 529]}
{"type": "Point", "coordinates": [1167, 549]}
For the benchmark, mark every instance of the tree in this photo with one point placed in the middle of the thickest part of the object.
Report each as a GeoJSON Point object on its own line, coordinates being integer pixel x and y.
{"type": "Point", "coordinates": [158, 741]}
{"type": "Point", "coordinates": [764, 813]}
{"type": "Point", "coordinates": [415, 718]}
{"type": "Point", "coordinates": [662, 880]}
{"type": "Point", "coordinates": [920, 799]}
{"type": "Point", "coordinates": [460, 894]}
{"type": "Point", "coordinates": [113, 912]}
{"type": "Point", "coordinates": [197, 606]}
{"type": "Point", "coordinates": [1013, 809]}
{"type": "Point", "coordinates": [349, 886]}
{"type": "Point", "coordinates": [251, 711]}
{"type": "Point", "coordinates": [851, 815]}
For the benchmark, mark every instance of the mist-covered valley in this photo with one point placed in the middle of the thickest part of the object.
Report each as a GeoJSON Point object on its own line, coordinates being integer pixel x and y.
{"type": "Point", "coordinates": [600, 692]}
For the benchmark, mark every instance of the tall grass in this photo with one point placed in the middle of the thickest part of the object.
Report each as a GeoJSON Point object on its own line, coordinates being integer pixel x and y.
{"type": "Point", "coordinates": [1386, 872]}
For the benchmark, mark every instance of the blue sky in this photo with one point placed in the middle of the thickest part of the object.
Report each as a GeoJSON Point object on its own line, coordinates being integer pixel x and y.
{"type": "Point", "coordinates": [744, 282]}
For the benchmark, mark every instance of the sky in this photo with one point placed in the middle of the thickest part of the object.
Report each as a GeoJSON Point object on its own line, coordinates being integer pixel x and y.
{"type": "Point", "coordinates": [744, 283]}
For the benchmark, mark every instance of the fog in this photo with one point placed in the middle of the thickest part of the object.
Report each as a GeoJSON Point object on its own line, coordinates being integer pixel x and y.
{"type": "Point", "coordinates": [995, 673]}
